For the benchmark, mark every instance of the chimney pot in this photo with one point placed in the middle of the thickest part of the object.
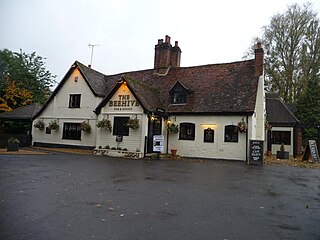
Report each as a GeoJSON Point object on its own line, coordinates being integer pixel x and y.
{"type": "Point", "coordinates": [167, 39]}
{"type": "Point", "coordinates": [160, 41]}
{"type": "Point", "coordinates": [89, 65]}
{"type": "Point", "coordinates": [176, 43]}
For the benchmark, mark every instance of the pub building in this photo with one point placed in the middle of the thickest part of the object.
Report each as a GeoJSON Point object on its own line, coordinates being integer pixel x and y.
{"type": "Point", "coordinates": [209, 111]}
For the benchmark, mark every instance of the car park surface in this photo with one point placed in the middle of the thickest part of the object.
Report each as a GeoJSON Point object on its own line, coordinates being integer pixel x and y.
{"type": "Point", "coordinates": [69, 196]}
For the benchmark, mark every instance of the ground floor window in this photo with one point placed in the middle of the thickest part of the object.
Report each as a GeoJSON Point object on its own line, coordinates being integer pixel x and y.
{"type": "Point", "coordinates": [72, 131]}
{"type": "Point", "coordinates": [208, 135]}
{"type": "Point", "coordinates": [279, 137]}
{"type": "Point", "coordinates": [120, 126]}
{"type": "Point", "coordinates": [187, 131]}
{"type": "Point", "coordinates": [231, 133]}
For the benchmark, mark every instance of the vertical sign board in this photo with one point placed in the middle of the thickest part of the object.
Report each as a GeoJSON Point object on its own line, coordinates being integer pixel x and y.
{"type": "Point", "coordinates": [158, 143]}
{"type": "Point", "coordinates": [256, 152]}
{"type": "Point", "coordinates": [312, 150]}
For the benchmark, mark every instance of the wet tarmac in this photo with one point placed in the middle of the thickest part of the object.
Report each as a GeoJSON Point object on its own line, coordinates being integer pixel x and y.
{"type": "Point", "coordinates": [66, 196]}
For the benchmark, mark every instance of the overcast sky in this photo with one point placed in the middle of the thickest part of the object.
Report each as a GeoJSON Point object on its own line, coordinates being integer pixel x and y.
{"type": "Point", "coordinates": [127, 30]}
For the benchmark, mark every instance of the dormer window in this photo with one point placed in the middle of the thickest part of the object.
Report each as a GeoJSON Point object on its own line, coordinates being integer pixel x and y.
{"type": "Point", "coordinates": [179, 93]}
{"type": "Point", "coordinates": [179, 97]}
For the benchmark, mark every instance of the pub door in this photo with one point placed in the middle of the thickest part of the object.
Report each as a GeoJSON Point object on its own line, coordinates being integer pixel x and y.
{"type": "Point", "coordinates": [154, 128]}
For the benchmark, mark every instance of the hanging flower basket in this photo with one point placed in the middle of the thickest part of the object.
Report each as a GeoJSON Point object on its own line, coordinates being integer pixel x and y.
{"type": "Point", "coordinates": [173, 128]}
{"type": "Point", "coordinates": [133, 123]}
{"type": "Point", "coordinates": [85, 126]}
{"type": "Point", "coordinates": [267, 125]}
{"type": "Point", "coordinates": [39, 124]}
{"type": "Point", "coordinates": [242, 126]}
{"type": "Point", "coordinates": [54, 125]}
{"type": "Point", "coordinates": [104, 123]}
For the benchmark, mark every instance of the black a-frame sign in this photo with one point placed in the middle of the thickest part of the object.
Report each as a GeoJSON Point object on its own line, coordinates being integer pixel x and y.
{"type": "Point", "coordinates": [311, 151]}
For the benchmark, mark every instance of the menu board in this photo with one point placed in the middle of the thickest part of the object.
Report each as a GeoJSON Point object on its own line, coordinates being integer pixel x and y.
{"type": "Point", "coordinates": [311, 150]}
{"type": "Point", "coordinates": [256, 152]}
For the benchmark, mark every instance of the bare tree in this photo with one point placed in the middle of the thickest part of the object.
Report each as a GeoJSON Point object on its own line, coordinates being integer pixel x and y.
{"type": "Point", "coordinates": [292, 51]}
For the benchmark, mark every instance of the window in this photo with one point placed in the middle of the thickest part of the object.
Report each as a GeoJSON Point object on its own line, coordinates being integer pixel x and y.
{"type": "Point", "coordinates": [187, 131]}
{"type": "Point", "coordinates": [120, 127]}
{"type": "Point", "coordinates": [74, 101]}
{"type": "Point", "coordinates": [208, 135]}
{"type": "Point", "coordinates": [72, 131]}
{"type": "Point", "coordinates": [231, 133]}
{"type": "Point", "coordinates": [279, 137]}
{"type": "Point", "coordinates": [179, 97]}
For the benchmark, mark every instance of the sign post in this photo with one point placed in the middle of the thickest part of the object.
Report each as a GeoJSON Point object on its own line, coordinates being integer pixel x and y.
{"type": "Point", "coordinates": [256, 152]}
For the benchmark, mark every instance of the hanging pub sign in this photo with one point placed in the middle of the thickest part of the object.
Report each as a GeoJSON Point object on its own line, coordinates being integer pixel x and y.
{"type": "Point", "coordinates": [311, 151]}
{"type": "Point", "coordinates": [256, 152]}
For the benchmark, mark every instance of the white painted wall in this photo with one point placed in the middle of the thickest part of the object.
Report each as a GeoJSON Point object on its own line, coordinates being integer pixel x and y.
{"type": "Point", "coordinates": [58, 109]}
{"type": "Point", "coordinates": [219, 149]}
{"type": "Point", "coordinates": [121, 106]}
{"type": "Point", "coordinates": [259, 113]}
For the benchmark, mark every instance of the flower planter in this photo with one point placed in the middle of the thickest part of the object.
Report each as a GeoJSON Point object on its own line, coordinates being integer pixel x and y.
{"type": "Point", "coordinates": [282, 155]}
{"type": "Point", "coordinates": [13, 147]}
{"type": "Point", "coordinates": [174, 152]}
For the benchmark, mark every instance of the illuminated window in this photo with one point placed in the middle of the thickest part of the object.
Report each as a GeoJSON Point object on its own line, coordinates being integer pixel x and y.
{"type": "Point", "coordinates": [231, 133]}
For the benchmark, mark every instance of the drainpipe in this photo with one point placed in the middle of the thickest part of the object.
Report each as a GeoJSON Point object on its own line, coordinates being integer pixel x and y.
{"type": "Point", "coordinates": [247, 144]}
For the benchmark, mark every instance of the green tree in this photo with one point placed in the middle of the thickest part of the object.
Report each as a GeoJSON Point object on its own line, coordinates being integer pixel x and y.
{"type": "Point", "coordinates": [28, 71]}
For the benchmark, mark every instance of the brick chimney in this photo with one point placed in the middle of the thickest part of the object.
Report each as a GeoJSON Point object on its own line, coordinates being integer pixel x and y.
{"type": "Point", "coordinates": [166, 55]}
{"type": "Point", "coordinates": [258, 59]}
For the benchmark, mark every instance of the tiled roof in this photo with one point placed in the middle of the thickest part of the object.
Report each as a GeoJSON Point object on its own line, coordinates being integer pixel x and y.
{"type": "Point", "coordinates": [22, 113]}
{"type": "Point", "coordinates": [278, 112]}
{"type": "Point", "coordinates": [217, 88]}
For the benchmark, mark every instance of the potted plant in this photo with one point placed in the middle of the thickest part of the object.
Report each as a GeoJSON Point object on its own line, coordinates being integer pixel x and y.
{"type": "Point", "coordinates": [85, 126]}
{"type": "Point", "coordinates": [104, 123]}
{"type": "Point", "coordinates": [54, 125]}
{"type": "Point", "coordinates": [133, 123]}
{"type": "Point", "coordinates": [13, 144]}
{"type": "Point", "coordinates": [173, 128]}
{"type": "Point", "coordinates": [282, 154]}
{"type": "Point", "coordinates": [39, 124]}
{"type": "Point", "coordinates": [242, 126]}
{"type": "Point", "coordinates": [173, 151]}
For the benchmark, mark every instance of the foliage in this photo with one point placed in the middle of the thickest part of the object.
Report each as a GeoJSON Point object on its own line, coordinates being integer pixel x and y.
{"type": "Point", "coordinates": [28, 72]}
{"type": "Point", "coordinates": [39, 124]}
{"type": "Point", "coordinates": [173, 128]}
{"type": "Point", "coordinates": [133, 123]}
{"type": "Point", "coordinates": [85, 126]}
{"type": "Point", "coordinates": [104, 123]}
{"type": "Point", "coordinates": [54, 125]}
{"type": "Point", "coordinates": [292, 51]}
{"type": "Point", "coordinates": [242, 126]}
{"type": "Point", "coordinates": [13, 140]}
{"type": "Point", "coordinates": [14, 96]}
{"type": "Point", "coordinates": [282, 147]}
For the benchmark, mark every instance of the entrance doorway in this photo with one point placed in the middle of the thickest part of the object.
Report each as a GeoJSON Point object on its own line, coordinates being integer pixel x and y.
{"type": "Point", "coordinates": [154, 128]}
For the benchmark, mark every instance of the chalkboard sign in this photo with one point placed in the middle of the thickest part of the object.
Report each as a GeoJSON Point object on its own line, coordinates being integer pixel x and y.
{"type": "Point", "coordinates": [256, 152]}
{"type": "Point", "coordinates": [311, 150]}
